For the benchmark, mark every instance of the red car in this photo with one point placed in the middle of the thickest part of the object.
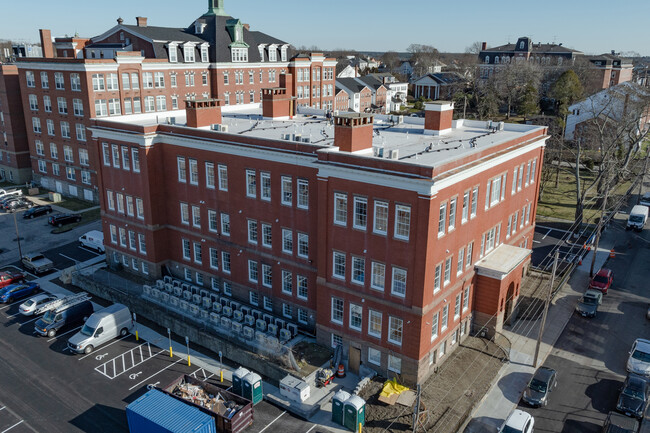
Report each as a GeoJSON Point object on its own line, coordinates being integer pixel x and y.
{"type": "Point", "coordinates": [602, 280]}
{"type": "Point", "coordinates": [7, 278]}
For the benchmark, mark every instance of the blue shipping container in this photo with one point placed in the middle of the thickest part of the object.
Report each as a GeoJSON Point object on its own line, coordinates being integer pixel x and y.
{"type": "Point", "coordinates": [156, 412]}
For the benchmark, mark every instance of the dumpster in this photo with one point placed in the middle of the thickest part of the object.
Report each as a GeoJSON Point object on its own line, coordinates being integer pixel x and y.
{"type": "Point", "coordinates": [237, 377]}
{"type": "Point", "coordinates": [252, 387]}
{"type": "Point", "coordinates": [338, 401]}
{"type": "Point", "coordinates": [354, 413]}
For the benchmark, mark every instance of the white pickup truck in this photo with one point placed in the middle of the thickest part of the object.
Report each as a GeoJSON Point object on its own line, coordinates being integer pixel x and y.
{"type": "Point", "coordinates": [10, 193]}
{"type": "Point", "coordinates": [37, 263]}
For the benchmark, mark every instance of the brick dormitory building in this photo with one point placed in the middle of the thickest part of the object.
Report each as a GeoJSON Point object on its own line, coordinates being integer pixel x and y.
{"type": "Point", "coordinates": [392, 240]}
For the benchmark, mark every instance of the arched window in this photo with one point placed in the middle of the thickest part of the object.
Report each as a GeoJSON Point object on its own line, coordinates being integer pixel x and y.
{"type": "Point", "coordinates": [487, 59]}
{"type": "Point", "coordinates": [521, 45]}
{"type": "Point", "coordinates": [559, 61]}
{"type": "Point", "coordinates": [496, 59]}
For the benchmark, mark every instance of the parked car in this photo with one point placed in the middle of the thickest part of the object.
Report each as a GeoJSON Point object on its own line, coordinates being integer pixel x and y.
{"type": "Point", "coordinates": [54, 320]}
{"type": "Point", "coordinates": [102, 326]}
{"type": "Point", "coordinates": [638, 217]}
{"type": "Point", "coordinates": [645, 200]}
{"type": "Point", "coordinates": [541, 384]}
{"type": "Point", "coordinates": [63, 219]}
{"type": "Point", "coordinates": [7, 278]}
{"type": "Point", "coordinates": [634, 396]}
{"type": "Point", "coordinates": [94, 240]}
{"type": "Point", "coordinates": [14, 292]}
{"type": "Point", "coordinates": [7, 194]}
{"type": "Point", "coordinates": [639, 359]}
{"type": "Point", "coordinates": [38, 211]}
{"type": "Point", "coordinates": [518, 422]}
{"type": "Point", "coordinates": [37, 263]}
{"type": "Point", "coordinates": [28, 307]}
{"type": "Point", "coordinates": [602, 280]}
{"type": "Point", "coordinates": [617, 423]}
{"type": "Point", "coordinates": [588, 304]}
{"type": "Point", "coordinates": [21, 203]}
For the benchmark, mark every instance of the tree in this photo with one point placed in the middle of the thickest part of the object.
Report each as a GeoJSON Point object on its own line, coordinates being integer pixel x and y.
{"type": "Point", "coordinates": [475, 48]}
{"type": "Point", "coordinates": [529, 101]}
{"type": "Point", "coordinates": [566, 91]}
{"type": "Point", "coordinates": [423, 57]}
{"type": "Point", "coordinates": [511, 80]}
{"type": "Point", "coordinates": [391, 60]}
{"type": "Point", "coordinates": [487, 101]}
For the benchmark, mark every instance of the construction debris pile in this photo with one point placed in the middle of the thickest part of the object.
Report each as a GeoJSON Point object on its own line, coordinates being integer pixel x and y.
{"type": "Point", "coordinates": [215, 403]}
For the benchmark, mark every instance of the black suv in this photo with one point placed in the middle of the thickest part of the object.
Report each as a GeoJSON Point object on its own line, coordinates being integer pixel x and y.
{"type": "Point", "coordinates": [63, 219]}
{"type": "Point", "coordinates": [634, 396]}
{"type": "Point", "coordinates": [38, 211]}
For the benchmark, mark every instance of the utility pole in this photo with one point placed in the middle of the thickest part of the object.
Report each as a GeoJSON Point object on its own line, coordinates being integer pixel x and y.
{"type": "Point", "coordinates": [20, 251]}
{"type": "Point", "coordinates": [600, 227]}
{"type": "Point", "coordinates": [416, 411]}
{"type": "Point", "coordinates": [546, 304]}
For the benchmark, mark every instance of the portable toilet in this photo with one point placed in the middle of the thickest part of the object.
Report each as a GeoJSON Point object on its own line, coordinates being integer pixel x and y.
{"type": "Point", "coordinates": [252, 387]}
{"type": "Point", "coordinates": [237, 380]}
{"type": "Point", "coordinates": [339, 399]}
{"type": "Point", "coordinates": [354, 413]}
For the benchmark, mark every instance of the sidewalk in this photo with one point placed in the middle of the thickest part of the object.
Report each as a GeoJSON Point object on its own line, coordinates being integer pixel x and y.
{"type": "Point", "coordinates": [507, 388]}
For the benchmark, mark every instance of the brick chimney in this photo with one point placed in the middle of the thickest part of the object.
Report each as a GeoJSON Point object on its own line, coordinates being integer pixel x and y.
{"type": "Point", "coordinates": [438, 117]}
{"type": "Point", "coordinates": [483, 46]}
{"type": "Point", "coordinates": [353, 131]}
{"type": "Point", "coordinates": [277, 103]}
{"type": "Point", "coordinates": [203, 112]}
{"type": "Point", "coordinates": [46, 43]}
{"type": "Point", "coordinates": [141, 21]}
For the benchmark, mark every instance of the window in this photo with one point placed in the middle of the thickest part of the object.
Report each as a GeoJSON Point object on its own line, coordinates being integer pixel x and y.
{"type": "Point", "coordinates": [301, 282]}
{"type": "Point", "coordinates": [380, 223]}
{"type": "Point", "coordinates": [42, 166]}
{"type": "Point", "coordinates": [527, 174]}
{"type": "Point", "coordinates": [395, 330]}
{"type": "Point", "coordinates": [113, 234]}
{"type": "Point", "coordinates": [445, 316]}
{"type": "Point", "coordinates": [250, 184]}
{"type": "Point", "coordinates": [126, 164]}
{"type": "Point", "coordinates": [465, 210]}
{"type": "Point", "coordinates": [356, 317]}
{"type": "Point", "coordinates": [100, 108]}
{"type": "Point", "coordinates": [374, 323]}
{"type": "Point", "coordinates": [54, 153]}
{"type": "Point", "coordinates": [185, 214]}
{"type": "Point", "coordinates": [303, 194]}
{"type": "Point", "coordinates": [337, 310]}
{"type": "Point", "coordinates": [374, 356]}
{"type": "Point", "coordinates": [36, 125]}
{"type": "Point", "coordinates": [358, 270]}
{"type": "Point", "coordinates": [58, 81]}
{"type": "Point", "coordinates": [33, 102]}
{"type": "Point", "coordinates": [98, 82]}
{"type": "Point", "coordinates": [182, 172]}
{"type": "Point", "coordinates": [514, 222]}
{"type": "Point", "coordinates": [267, 236]}
{"type": "Point", "coordinates": [194, 172]}
{"type": "Point", "coordinates": [188, 53]}
{"type": "Point", "coordinates": [40, 150]}
{"type": "Point", "coordinates": [287, 311]}
{"type": "Point", "coordinates": [225, 263]}
{"type": "Point", "coordinates": [303, 245]}
{"type": "Point", "coordinates": [161, 103]}
{"type": "Point", "coordinates": [398, 286]}
{"type": "Point", "coordinates": [107, 154]}
{"type": "Point", "coordinates": [442, 219]}
{"type": "Point", "coordinates": [461, 259]}
{"type": "Point", "coordinates": [186, 249]}
{"type": "Point", "coordinates": [120, 202]}
{"type": "Point", "coordinates": [268, 303]}
{"type": "Point", "coordinates": [434, 326]}
{"type": "Point", "coordinates": [532, 170]}
{"type": "Point", "coordinates": [436, 278]}
{"type": "Point", "coordinates": [252, 271]}
{"type": "Point", "coordinates": [137, 108]}
{"type": "Point", "coordinates": [139, 208]}
{"type": "Point", "coordinates": [402, 221]}
{"type": "Point", "coordinates": [340, 209]}
{"type": "Point", "coordinates": [265, 191]}
{"type": "Point", "coordinates": [147, 80]}
{"type": "Point", "coordinates": [67, 154]}
{"type": "Point", "coordinates": [452, 213]}
{"type": "Point", "coordinates": [209, 174]}
{"type": "Point", "coordinates": [71, 174]}
{"type": "Point", "coordinates": [135, 156]}
{"type": "Point", "coordinates": [267, 275]}
{"type": "Point", "coordinates": [225, 224]}
{"type": "Point", "coordinates": [109, 200]}
{"type": "Point", "coordinates": [442, 349]}
{"type": "Point", "coordinates": [196, 216]}
{"type": "Point", "coordinates": [338, 270]}
{"type": "Point", "coordinates": [465, 297]}
{"type": "Point", "coordinates": [287, 191]}
{"type": "Point", "coordinates": [65, 129]}
{"type": "Point", "coordinates": [360, 212]}
{"type": "Point", "coordinates": [223, 177]}
{"type": "Point", "coordinates": [457, 307]}
{"type": "Point", "coordinates": [129, 205]}
{"type": "Point", "coordinates": [239, 54]}
{"type": "Point", "coordinates": [47, 104]}
{"type": "Point", "coordinates": [31, 82]}
{"type": "Point", "coordinates": [447, 270]}
{"type": "Point", "coordinates": [474, 201]}
{"type": "Point", "coordinates": [521, 177]}
{"type": "Point", "coordinates": [252, 231]}
{"type": "Point", "coordinates": [149, 104]}
{"type": "Point", "coordinates": [287, 241]}
{"type": "Point", "coordinates": [77, 107]}
{"type": "Point", "coordinates": [287, 282]}
{"type": "Point", "coordinates": [122, 237]}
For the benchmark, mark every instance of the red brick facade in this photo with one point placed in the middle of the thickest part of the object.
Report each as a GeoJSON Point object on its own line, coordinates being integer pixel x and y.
{"type": "Point", "coordinates": [15, 165]}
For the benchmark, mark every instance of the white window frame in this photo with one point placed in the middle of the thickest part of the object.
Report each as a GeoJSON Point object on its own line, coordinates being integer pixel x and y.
{"type": "Point", "coordinates": [341, 258]}
{"type": "Point", "coordinates": [380, 218]}
{"type": "Point", "coordinates": [398, 274]}
{"type": "Point", "coordinates": [340, 209]}
{"type": "Point", "coordinates": [360, 219]}
{"type": "Point", "coordinates": [402, 222]}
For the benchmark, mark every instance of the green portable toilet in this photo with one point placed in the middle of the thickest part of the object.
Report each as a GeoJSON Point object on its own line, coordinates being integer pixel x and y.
{"type": "Point", "coordinates": [237, 380]}
{"type": "Point", "coordinates": [355, 413]}
{"type": "Point", "coordinates": [252, 387]}
{"type": "Point", "coordinates": [339, 399]}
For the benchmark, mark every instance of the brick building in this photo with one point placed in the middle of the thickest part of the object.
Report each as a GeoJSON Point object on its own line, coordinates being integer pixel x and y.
{"type": "Point", "coordinates": [612, 70]}
{"type": "Point", "coordinates": [15, 165]}
{"type": "Point", "coordinates": [132, 70]}
{"type": "Point", "coordinates": [391, 240]}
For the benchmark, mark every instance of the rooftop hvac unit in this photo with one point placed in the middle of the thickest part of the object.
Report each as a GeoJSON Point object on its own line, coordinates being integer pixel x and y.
{"type": "Point", "coordinates": [155, 293]}
{"type": "Point", "coordinates": [249, 320]}
{"type": "Point", "coordinates": [285, 335]}
{"type": "Point", "coordinates": [174, 301]}
{"type": "Point", "coordinates": [248, 332]}
{"type": "Point", "coordinates": [216, 307]}
{"type": "Point", "coordinates": [225, 323]}
{"type": "Point", "coordinates": [394, 154]}
{"type": "Point", "coordinates": [176, 283]}
{"type": "Point", "coordinates": [235, 305]}
{"type": "Point", "coordinates": [297, 137]}
{"type": "Point", "coordinates": [378, 152]}
{"type": "Point", "coordinates": [194, 309]}
{"type": "Point", "coordinates": [167, 279]}
{"type": "Point", "coordinates": [178, 291]}
{"type": "Point", "coordinates": [187, 295]}
{"type": "Point", "coordinates": [205, 314]}
{"type": "Point", "coordinates": [246, 310]}
{"type": "Point", "coordinates": [238, 316]}
{"type": "Point", "coordinates": [279, 323]}
{"type": "Point", "coordinates": [207, 302]}
{"type": "Point", "coordinates": [171, 120]}
{"type": "Point", "coordinates": [214, 297]}
{"type": "Point", "coordinates": [195, 290]}
{"type": "Point", "coordinates": [204, 293]}
{"type": "Point", "coordinates": [501, 126]}
{"type": "Point", "coordinates": [272, 341]}
{"type": "Point", "coordinates": [146, 290]}
{"type": "Point", "coordinates": [272, 329]}
{"type": "Point", "coordinates": [185, 305]}
{"type": "Point", "coordinates": [215, 318]}
{"type": "Point", "coordinates": [164, 297]}
{"type": "Point", "coordinates": [286, 136]}
{"type": "Point", "coordinates": [257, 314]}
{"type": "Point", "coordinates": [169, 288]}
{"type": "Point", "coordinates": [160, 284]}
{"type": "Point", "coordinates": [185, 286]}
{"type": "Point", "coordinates": [236, 327]}
{"type": "Point", "coordinates": [400, 119]}
{"type": "Point", "coordinates": [226, 311]}
{"type": "Point", "coordinates": [196, 299]}
{"type": "Point", "coordinates": [220, 127]}
{"type": "Point", "coordinates": [293, 328]}
{"type": "Point", "coordinates": [260, 337]}
{"type": "Point", "coordinates": [267, 318]}
{"type": "Point", "coordinates": [488, 124]}
{"type": "Point", "coordinates": [306, 140]}
{"type": "Point", "coordinates": [260, 325]}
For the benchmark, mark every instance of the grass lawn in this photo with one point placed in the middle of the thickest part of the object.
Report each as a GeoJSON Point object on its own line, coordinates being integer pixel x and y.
{"type": "Point", "coordinates": [86, 217]}
{"type": "Point", "coordinates": [560, 202]}
{"type": "Point", "coordinates": [75, 205]}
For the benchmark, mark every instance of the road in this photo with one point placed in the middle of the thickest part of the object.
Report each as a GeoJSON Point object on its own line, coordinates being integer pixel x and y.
{"type": "Point", "coordinates": [590, 355]}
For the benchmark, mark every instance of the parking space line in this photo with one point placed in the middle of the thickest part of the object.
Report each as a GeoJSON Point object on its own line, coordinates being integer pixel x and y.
{"type": "Point", "coordinates": [65, 333]}
{"type": "Point", "coordinates": [2, 407]}
{"type": "Point", "coordinates": [547, 233]}
{"type": "Point", "coordinates": [115, 372]}
{"type": "Point", "coordinates": [11, 305]}
{"type": "Point", "coordinates": [158, 372]}
{"type": "Point", "coordinates": [312, 427]}
{"type": "Point", "coordinates": [19, 422]}
{"type": "Point", "coordinates": [69, 258]}
{"type": "Point", "coordinates": [104, 347]}
{"type": "Point", "coordinates": [269, 425]}
{"type": "Point", "coordinates": [552, 229]}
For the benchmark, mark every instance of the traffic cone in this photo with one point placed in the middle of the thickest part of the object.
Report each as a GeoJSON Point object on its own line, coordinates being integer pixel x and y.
{"type": "Point", "coordinates": [612, 254]}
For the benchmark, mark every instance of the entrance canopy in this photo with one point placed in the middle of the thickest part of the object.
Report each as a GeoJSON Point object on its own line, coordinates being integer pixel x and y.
{"type": "Point", "coordinates": [499, 263]}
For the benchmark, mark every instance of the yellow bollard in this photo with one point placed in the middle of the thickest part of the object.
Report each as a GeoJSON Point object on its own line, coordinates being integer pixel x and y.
{"type": "Point", "coordinates": [221, 375]}
{"type": "Point", "coordinates": [136, 335]}
{"type": "Point", "coordinates": [189, 363]}
{"type": "Point", "coordinates": [170, 352]}
{"type": "Point", "coordinates": [360, 427]}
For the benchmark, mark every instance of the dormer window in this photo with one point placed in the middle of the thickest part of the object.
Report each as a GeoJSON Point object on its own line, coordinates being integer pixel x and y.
{"type": "Point", "coordinates": [261, 49]}
{"type": "Point", "coordinates": [521, 45]}
{"type": "Point", "coordinates": [238, 34]}
{"type": "Point", "coordinates": [199, 27]}
{"type": "Point", "coordinates": [487, 59]}
{"type": "Point", "coordinates": [204, 53]}
{"type": "Point", "coordinates": [173, 57]}
{"type": "Point", "coordinates": [188, 53]}
{"type": "Point", "coordinates": [283, 54]}
{"type": "Point", "coordinates": [273, 54]}
{"type": "Point", "coordinates": [121, 36]}
{"type": "Point", "coordinates": [496, 59]}
{"type": "Point", "coordinates": [239, 54]}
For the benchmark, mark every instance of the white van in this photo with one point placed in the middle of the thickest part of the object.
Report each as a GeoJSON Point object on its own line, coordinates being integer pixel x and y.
{"type": "Point", "coordinates": [104, 325]}
{"type": "Point", "coordinates": [94, 240]}
{"type": "Point", "coordinates": [638, 217]}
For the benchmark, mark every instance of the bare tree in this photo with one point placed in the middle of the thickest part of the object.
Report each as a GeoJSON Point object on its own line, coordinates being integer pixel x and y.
{"type": "Point", "coordinates": [475, 48]}
{"type": "Point", "coordinates": [423, 57]}
{"type": "Point", "coordinates": [511, 81]}
{"type": "Point", "coordinates": [391, 60]}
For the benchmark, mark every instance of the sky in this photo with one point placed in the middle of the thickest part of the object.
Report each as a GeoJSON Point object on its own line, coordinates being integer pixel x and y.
{"type": "Point", "coordinates": [590, 26]}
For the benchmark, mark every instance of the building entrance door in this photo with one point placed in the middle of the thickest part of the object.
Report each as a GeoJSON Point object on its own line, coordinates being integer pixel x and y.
{"type": "Point", "coordinates": [509, 304]}
{"type": "Point", "coordinates": [355, 360]}
{"type": "Point", "coordinates": [59, 187]}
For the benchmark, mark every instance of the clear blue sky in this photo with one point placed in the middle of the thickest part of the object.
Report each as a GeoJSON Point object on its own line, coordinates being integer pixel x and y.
{"type": "Point", "coordinates": [591, 26]}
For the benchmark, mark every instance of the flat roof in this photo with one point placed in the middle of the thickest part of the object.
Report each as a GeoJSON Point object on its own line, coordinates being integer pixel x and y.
{"type": "Point", "coordinates": [395, 137]}
{"type": "Point", "coordinates": [501, 261]}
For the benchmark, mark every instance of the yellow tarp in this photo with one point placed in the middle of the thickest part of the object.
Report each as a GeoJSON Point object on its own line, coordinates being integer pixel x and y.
{"type": "Point", "coordinates": [391, 387]}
